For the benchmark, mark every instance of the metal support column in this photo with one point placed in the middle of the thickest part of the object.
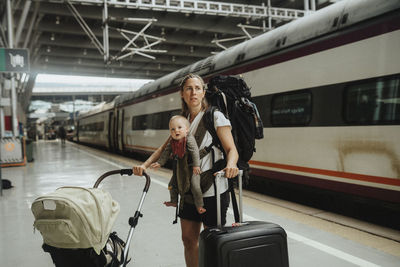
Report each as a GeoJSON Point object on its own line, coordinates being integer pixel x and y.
{"type": "Point", "coordinates": [13, 89]}
{"type": "Point", "coordinates": [73, 109]}
{"type": "Point", "coordinates": [2, 123]}
{"type": "Point", "coordinates": [1, 134]}
{"type": "Point", "coordinates": [85, 27]}
{"type": "Point", "coordinates": [313, 5]}
{"type": "Point", "coordinates": [31, 23]}
{"type": "Point", "coordinates": [306, 6]}
{"type": "Point", "coordinates": [269, 15]}
{"type": "Point", "coordinates": [105, 33]}
{"type": "Point", "coordinates": [22, 21]}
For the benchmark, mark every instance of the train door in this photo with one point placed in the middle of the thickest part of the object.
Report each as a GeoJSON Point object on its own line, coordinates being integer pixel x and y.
{"type": "Point", "coordinates": [77, 131]}
{"type": "Point", "coordinates": [115, 130]}
{"type": "Point", "coordinates": [121, 130]}
{"type": "Point", "coordinates": [111, 131]}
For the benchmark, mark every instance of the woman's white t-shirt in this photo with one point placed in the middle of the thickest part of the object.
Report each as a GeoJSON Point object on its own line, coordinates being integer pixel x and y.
{"type": "Point", "coordinates": [206, 162]}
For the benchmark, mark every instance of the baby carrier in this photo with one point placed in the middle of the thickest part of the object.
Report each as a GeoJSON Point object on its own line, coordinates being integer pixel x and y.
{"type": "Point", "coordinates": [76, 224]}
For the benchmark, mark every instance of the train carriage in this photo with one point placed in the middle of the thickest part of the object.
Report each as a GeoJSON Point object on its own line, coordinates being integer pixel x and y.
{"type": "Point", "coordinates": [328, 91]}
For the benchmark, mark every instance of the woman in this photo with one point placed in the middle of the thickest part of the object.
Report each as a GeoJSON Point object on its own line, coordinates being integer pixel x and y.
{"type": "Point", "coordinates": [193, 106]}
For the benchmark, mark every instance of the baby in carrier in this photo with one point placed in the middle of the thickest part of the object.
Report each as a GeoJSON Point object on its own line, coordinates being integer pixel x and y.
{"type": "Point", "coordinates": [184, 150]}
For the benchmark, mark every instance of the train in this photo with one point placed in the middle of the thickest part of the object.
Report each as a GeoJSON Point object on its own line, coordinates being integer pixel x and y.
{"type": "Point", "coordinates": [327, 87]}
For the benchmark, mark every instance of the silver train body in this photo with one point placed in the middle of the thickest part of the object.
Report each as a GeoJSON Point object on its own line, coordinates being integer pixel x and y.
{"type": "Point", "coordinates": [328, 90]}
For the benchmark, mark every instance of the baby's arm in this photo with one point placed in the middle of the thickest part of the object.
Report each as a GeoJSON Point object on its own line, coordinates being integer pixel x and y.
{"type": "Point", "coordinates": [197, 194]}
{"type": "Point", "coordinates": [163, 158]}
{"type": "Point", "coordinates": [194, 151]}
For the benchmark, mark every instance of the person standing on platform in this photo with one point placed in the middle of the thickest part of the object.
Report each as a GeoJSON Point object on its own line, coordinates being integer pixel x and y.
{"type": "Point", "coordinates": [192, 93]}
{"type": "Point", "coordinates": [62, 134]}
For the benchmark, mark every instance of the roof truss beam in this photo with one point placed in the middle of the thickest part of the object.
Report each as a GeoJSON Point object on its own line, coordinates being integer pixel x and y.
{"type": "Point", "coordinates": [203, 7]}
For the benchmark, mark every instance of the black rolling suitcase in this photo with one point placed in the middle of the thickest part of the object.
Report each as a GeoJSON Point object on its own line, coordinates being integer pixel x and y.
{"type": "Point", "coordinates": [251, 244]}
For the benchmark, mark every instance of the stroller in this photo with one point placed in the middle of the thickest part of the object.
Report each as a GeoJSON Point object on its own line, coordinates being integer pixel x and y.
{"type": "Point", "coordinates": [76, 223]}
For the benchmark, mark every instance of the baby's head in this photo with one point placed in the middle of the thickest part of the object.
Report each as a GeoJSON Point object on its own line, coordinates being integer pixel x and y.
{"type": "Point", "coordinates": [178, 127]}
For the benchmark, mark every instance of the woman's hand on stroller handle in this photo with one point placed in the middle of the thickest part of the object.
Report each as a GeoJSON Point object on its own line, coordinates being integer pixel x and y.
{"type": "Point", "coordinates": [138, 170]}
{"type": "Point", "coordinates": [124, 172]}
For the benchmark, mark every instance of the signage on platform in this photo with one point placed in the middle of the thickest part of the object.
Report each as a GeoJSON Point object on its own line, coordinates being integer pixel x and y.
{"type": "Point", "coordinates": [14, 60]}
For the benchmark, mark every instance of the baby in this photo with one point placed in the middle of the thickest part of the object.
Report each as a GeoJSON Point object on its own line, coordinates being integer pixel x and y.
{"type": "Point", "coordinates": [181, 143]}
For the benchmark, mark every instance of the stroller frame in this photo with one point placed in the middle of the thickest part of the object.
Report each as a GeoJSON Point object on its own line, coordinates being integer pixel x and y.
{"type": "Point", "coordinates": [87, 256]}
{"type": "Point", "coordinates": [133, 221]}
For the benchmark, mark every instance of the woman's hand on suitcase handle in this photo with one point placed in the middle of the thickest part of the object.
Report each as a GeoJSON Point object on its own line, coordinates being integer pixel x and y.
{"type": "Point", "coordinates": [231, 172]}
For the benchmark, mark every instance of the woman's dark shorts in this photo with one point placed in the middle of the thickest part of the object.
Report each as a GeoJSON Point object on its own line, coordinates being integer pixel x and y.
{"type": "Point", "coordinates": [209, 218]}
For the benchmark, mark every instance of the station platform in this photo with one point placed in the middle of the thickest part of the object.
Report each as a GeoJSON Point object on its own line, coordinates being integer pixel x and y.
{"type": "Point", "coordinates": [314, 237]}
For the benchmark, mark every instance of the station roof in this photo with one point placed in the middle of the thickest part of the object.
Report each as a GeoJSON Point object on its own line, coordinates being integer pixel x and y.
{"type": "Point", "coordinates": [147, 39]}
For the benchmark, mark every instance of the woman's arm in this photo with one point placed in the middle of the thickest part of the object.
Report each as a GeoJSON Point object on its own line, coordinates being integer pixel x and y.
{"type": "Point", "coordinates": [138, 170]}
{"type": "Point", "coordinates": [232, 156]}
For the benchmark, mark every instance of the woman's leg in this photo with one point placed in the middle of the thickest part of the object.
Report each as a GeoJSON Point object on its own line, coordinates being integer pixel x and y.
{"type": "Point", "coordinates": [190, 238]}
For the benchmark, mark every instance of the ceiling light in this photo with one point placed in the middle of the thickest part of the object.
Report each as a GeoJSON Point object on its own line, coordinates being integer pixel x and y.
{"type": "Point", "coordinates": [173, 58]}
{"type": "Point", "coordinates": [84, 52]}
{"type": "Point", "coordinates": [52, 37]}
{"type": "Point", "coordinates": [191, 49]}
{"type": "Point", "coordinates": [57, 20]}
{"type": "Point", "coordinates": [48, 49]}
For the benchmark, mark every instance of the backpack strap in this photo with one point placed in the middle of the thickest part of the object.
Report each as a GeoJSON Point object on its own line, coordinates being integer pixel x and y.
{"type": "Point", "coordinates": [207, 124]}
{"type": "Point", "coordinates": [200, 132]}
{"type": "Point", "coordinates": [235, 206]}
{"type": "Point", "coordinates": [208, 119]}
{"type": "Point", "coordinates": [199, 136]}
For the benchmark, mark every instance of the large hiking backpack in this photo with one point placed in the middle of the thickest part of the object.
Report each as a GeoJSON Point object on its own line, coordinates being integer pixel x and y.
{"type": "Point", "coordinates": [231, 96]}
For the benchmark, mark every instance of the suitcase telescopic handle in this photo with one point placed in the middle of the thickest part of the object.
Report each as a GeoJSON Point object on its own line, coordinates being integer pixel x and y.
{"type": "Point", "coordinates": [123, 172]}
{"type": "Point", "coordinates": [219, 175]}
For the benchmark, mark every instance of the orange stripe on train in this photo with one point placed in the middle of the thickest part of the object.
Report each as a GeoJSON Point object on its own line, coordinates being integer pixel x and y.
{"type": "Point", "coordinates": [347, 175]}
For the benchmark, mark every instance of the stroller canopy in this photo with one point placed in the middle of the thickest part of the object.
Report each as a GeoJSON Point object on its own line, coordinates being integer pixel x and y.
{"type": "Point", "coordinates": [75, 217]}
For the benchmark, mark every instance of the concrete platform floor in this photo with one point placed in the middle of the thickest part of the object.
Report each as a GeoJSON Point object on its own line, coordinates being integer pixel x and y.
{"type": "Point", "coordinates": [313, 239]}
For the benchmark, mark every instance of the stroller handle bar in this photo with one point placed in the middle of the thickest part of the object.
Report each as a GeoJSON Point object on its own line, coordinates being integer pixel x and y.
{"type": "Point", "coordinates": [122, 172]}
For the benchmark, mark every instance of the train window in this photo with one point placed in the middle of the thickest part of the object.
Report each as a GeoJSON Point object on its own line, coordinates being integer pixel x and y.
{"type": "Point", "coordinates": [173, 113]}
{"type": "Point", "coordinates": [373, 102]}
{"type": "Point", "coordinates": [137, 122]}
{"type": "Point", "coordinates": [335, 22]}
{"type": "Point", "coordinates": [291, 109]}
{"type": "Point", "coordinates": [344, 18]}
{"type": "Point", "coordinates": [158, 121]}
{"type": "Point", "coordinates": [98, 126]}
{"type": "Point", "coordinates": [94, 126]}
